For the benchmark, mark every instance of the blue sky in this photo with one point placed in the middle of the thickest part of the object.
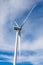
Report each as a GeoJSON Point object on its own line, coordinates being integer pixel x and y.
{"type": "Point", "coordinates": [31, 46]}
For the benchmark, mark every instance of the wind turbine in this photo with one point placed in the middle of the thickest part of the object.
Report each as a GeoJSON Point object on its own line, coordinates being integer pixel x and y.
{"type": "Point", "coordinates": [18, 33]}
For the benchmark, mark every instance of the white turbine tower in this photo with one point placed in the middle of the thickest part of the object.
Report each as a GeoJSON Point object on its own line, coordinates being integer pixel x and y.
{"type": "Point", "coordinates": [18, 34]}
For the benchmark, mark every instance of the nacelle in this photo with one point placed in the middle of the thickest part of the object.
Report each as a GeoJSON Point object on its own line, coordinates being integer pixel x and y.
{"type": "Point", "coordinates": [17, 28]}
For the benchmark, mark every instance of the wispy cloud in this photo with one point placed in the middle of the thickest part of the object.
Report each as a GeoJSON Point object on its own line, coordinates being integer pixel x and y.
{"type": "Point", "coordinates": [7, 9]}
{"type": "Point", "coordinates": [6, 56]}
{"type": "Point", "coordinates": [10, 10]}
{"type": "Point", "coordinates": [36, 44]}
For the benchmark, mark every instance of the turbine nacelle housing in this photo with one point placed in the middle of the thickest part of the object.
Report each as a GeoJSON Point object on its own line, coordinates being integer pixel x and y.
{"type": "Point", "coordinates": [17, 28]}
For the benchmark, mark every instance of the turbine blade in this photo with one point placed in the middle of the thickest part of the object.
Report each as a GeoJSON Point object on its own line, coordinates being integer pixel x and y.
{"type": "Point", "coordinates": [16, 23]}
{"type": "Point", "coordinates": [28, 15]}
{"type": "Point", "coordinates": [19, 36]}
{"type": "Point", "coordinates": [19, 49]}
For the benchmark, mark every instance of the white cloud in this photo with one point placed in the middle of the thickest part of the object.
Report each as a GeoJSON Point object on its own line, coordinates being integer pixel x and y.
{"type": "Point", "coordinates": [34, 45]}
{"type": "Point", "coordinates": [6, 47]}
{"type": "Point", "coordinates": [36, 59]}
{"type": "Point", "coordinates": [20, 4]}
{"type": "Point", "coordinates": [5, 7]}
{"type": "Point", "coordinates": [16, 6]}
{"type": "Point", "coordinates": [8, 58]}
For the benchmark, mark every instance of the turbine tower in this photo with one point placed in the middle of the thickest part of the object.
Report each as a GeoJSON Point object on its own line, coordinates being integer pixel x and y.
{"type": "Point", "coordinates": [18, 34]}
